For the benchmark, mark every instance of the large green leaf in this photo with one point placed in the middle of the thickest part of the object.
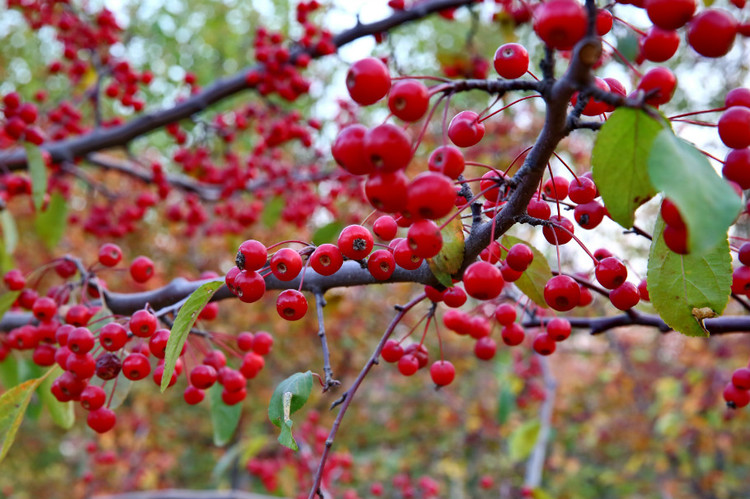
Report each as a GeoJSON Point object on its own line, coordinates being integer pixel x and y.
{"type": "Point", "coordinates": [13, 404]}
{"type": "Point", "coordinates": [288, 398]}
{"type": "Point", "coordinates": [38, 173]}
{"type": "Point", "coordinates": [62, 412]}
{"type": "Point", "coordinates": [327, 233]}
{"type": "Point", "coordinates": [224, 418]}
{"type": "Point", "coordinates": [680, 286]}
{"type": "Point", "coordinates": [533, 280]}
{"type": "Point", "coordinates": [620, 162]}
{"type": "Point", "coordinates": [523, 439]}
{"type": "Point", "coordinates": [184, 321]}
{"type": "Point", "coordinates": [272, 211]}
{"type": "Point", "coordinates": [51, 223]}
{"type": "Point", "coordinates": [448, 261]}
{"type": "Point", "coordinates": [708, 204]}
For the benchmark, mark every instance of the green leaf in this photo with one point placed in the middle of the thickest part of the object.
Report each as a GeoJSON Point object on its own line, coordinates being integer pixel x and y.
{"type": "Point", "coordinates": [448, 261]}
{"type": "Point", "coordinates": [10, 231]}
{"type": "Point", "coordinates": [38, 173]}
{"type": "Point", "coordinates": [51, 223]}
{"type": "Point", "coordinates": [186, 317]}
{"type": "Point", "coordinates": [707, 203]}
{"type": "Point", "coordinates": [122, 390]}
{"type": "Point", "coordinates": [272, 212]}
{"type": "Point", "coordinates": [9, 372]}
{"type": "Point", "coordinates": [288, 398]}
{"type": "Point", "coordinates": [505, 404]}
{"type": "Point", "coordinates": [523, 439]}
{"type": "Point", "coordinates": [224, 418]}
{"type": "Point", "coordinates": [6, 301]}
{"type": "Point", "coordinates": [533, 280]}
{"type": "Point", "coordinates": [680, 285]}
{"type": "Point", "coordinates": [328, 233]}
{"type": "Point", "coordinates": [620, 162]}
{"type": "Point", "coordinates": [62, 412]}
{"type": "Point", "coordinates": [13, 404]}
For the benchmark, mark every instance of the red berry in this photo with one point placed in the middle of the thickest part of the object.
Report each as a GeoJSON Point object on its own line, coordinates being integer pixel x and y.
{"type": "Point", "coordinates": [589, 215]}
{"type": "Point", "coordinates": [560, 23]}
{"type": "Point", "coordinates": [381, 264]}
{"type": "Point", "coordinates": [82, 365]}
{"type": "Point", "coordinates": [14, 280]}
{"type": "Point", "coordinates": [561, 232]}
{"type": "Point", "coordinates": [544, 344]}
{"type": "Point", "coordinates": [392, 351]}
{"type": "Point", "coordinates": [110, 254]}
{"type": "Point", "coordinates": [136, 366]}
{"type": "Point", "coordinates": [737, 167]}
{"type": "Point", "coordinates": [355, 242]}
{"type": "Point", "coordinates": [430, 195]}
{"type": "Point", "coordinates": [93, 397]}
{"type": "Point", "coordinates": [670, 14]}
{"type": "Point", "coordinates": [143, 324]}
{"type": "Point", "coordinates": [643, 290]}
{"type": "Point", "coordinates": [387, 191]}
{"type": "Point", "coordinates": [286, 264]}
{"type": "Point", "coordinates": [424, 238]}
{"type": "Point", "coordinates": [505, 314]}
{"type": "Point", "coordinates": [387, 148]}
{"type": "Point", "coordinates": [349, 150]}
{"type": "Point", "coordinates": [101, 420]}
{"type": "Point", "coordinates": [251, 255]}
{"type": "Point", "coordinates": [603, 22]}
{"type": "Point", "coordinates": [741, 378]}
{"type": "Point", "coordinates": [736, 398]}
{"type": "Point", "coordinates": [659, 44]}
{"type": "Point", "coordinates": [291, 305]}
{"type": "Point", "coordinates": [326, 259]}
{"type": "Point", "coordinates": [739, 96]}
{"type": "Point", "coordinates": [262, 343]}
{"type": "Point", "coordinates": [625, 296]}
{"type": "Point", "coordinates": [442, 373]}
{"type": "Point", "coordinates": [519, 257]}
{"type": "Point", "coordinates": [252, 364]}
{"type": "Point", "coordinates": [538, 208]}
{"type": "Point", "coordinates": [676, 239]}
{"type": "Point", "coordinates": [465, 130]}
{"type": "Point", "coordinates": [558, 329]}
{"type": "Point", "coordinates": [108, 366]}
{"type": "Point", "coordinates": [483, 281]}
{"type": "Point", "coordinates": [385, 227]}
{"type": "Point", "coordinates": [513, 334]}
{"type": "Point", "coordinates": [80, 340]}
{"type": "Point", "coordinates": [447, 160]}
{"type": "Point", "coordinates": [408, 365]}
{"type": "Point", "coordinates": [611, 273]}
{"type": "Point", "coordinates": [712, 32]}
{"type": "Point", "coordinates": [405, 257]}
{"type": "Point", "coordinates": [203, 376]}
{"type": "Point", "coordinates": [113, 336]}
{"type": "Point", "coordinates": [157, 344]}
{"type": "Point", "coordinates": [485, 348]}
{"type": "Point", "coordinates": [454, 297]}
{"type": "Point", "coordinates": [661, 82]}
{"type": "Point", "coordinates": [734, 127]}
{"type": "Point", "coordinates": [44, 308]}
{"type": "Point", "coordinates": [582, 190]}
{"type": "Point", "coordinates": [141, 269]}
{"type": "Point", "coordinates": [193, 395]}
{"type": "Point", "coordinates": [594, 107]}
{"type": "Point", "coordinates": [562, 293]}
{"type": "Point", "coordinates": [409, 100]}
{"type": "Point", "coordinates": [368, 81]}
{"type": "Point", "coordinates": [511, 61]}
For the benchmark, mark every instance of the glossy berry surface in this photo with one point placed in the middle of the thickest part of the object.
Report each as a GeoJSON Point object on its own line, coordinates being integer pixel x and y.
{"type": "Point", "coordinates": [560, 23]}
{"type": "Point", "coordinates": [511, 60]}
{"type": "Point", "coordinates": [368, 81]}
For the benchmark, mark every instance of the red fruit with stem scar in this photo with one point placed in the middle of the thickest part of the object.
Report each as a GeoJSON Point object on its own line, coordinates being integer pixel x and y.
{"type": "Point", "coordinates": [368, 81]}
{"type": "Point", "coordinates": [562, 293]}
{"type": "Point", "coordinates": [465, 130]}
{"type": "Point", "coordinates": [483, 281]}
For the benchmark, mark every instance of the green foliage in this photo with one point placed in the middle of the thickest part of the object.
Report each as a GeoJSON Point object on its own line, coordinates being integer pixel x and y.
{"type": "Point", "coordinates": [272, 211]}
{"type": "Point", "coordinates": [533, 280]}
{"type": "Point", "coordinates": [289, 397]}
{"type": "Point", "coordinates": [13, 404]}
{"type": "Point", "coordinates": [620, 162]}
{"type": "Point", "coordinates": [451, 255]}
{"type": "Point", "coordinates": [523, 439]}
{"type": "Point", "coordinates": [327, 233]}
{"type": "Point", "coordinates": [680, 285]}
{"type": "Point", "coordinates": [38, 173]}
{"type": "Point", "coordinates": [184, 321]}
{"type": "Point", "coordinates": [707, 203]}
{"type": "Point", "coordinates": [51, 223]}
{"type": "Point", "coordinates": [225, 418]}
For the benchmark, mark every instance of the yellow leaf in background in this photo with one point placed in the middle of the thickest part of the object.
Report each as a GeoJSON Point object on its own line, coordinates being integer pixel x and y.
{"type": "Point", "coordinates": [88, 79]}
{"type": "Point", "coordinates": [451, 256]}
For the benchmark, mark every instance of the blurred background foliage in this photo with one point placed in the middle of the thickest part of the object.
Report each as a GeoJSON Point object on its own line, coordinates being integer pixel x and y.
{"type": "Point", "coordinates": [637, 413]}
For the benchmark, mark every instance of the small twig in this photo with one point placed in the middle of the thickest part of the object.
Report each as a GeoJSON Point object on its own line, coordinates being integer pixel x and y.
{"type": "Point", "coordinates": [329, 382]}
{"type": "Point", "coordinates": [349, 395]}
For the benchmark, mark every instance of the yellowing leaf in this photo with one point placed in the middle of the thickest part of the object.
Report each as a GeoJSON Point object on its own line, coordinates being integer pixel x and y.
{"type": "Point", "coordinates": [451, 256]}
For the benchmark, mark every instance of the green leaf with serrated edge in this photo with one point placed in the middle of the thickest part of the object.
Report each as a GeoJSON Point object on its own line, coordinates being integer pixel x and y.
{"type": "Point", "coordinates": [13, 404]}
{"type": "Point", "coordinates": [679, 284]}
{"type": "Point", "coordinates": [121, 389]}
{"type": "Point", "coordinates": [10, 231]}
{"type": "Point", "coordinates": [451, 256]}
{"type": "Point", "coordinates": [38, 174]}
{"type": "Point", "coordinates": [522, 440]}
{"type": "Point", "coordinates": [224, 418]}
{"type": "Point", "coordinates": [707, 203]}
{"type": "Point", "coordinates": [272, 211]}
{"type": "Point", "coordinates": [289, 397]}
{"type": "Point", "coordinates": [619, 162]}
{"type": "Point", "coordinates": [532, 281]}
{"type": "Point", "coordinates": [51, 223]}
{"type": "Point", "coordinates": [186, 317]}
{"type": "Point", "coordinates": [6, 301]}
{"type": "Point", "coordinates": [327, 234]}
{"type": "Point", "coordinates": [62, 413]}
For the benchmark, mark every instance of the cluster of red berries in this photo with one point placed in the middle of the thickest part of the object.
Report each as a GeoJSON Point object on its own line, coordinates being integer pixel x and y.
{"type": "Point", "coordinates": [737, 391]}
{"type": "Point", "coordinates": [20, 118]}
{"type": "Point", "coordinates": [734, 131]}
{"type": "Point", "coordinates": [124, 85]}
{"type": "Point", "coordinates": [741, 274]}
